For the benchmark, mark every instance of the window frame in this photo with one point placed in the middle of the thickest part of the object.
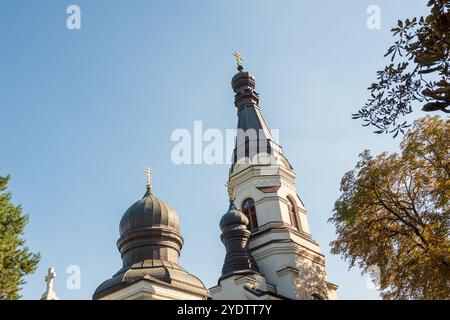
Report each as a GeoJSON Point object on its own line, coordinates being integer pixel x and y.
{"type": "Point", "coordinates": [251, 214]}
{"type": "Point", "coordinates": [293, 214]}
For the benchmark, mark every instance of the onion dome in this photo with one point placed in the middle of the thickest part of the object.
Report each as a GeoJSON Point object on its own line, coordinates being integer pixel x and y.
{"type": "Point", "coordinates": [235, 236]}
{"type": "Point", "coordinates": [150, 243]}
{"type": "Point", "coordinates": [149, 229]}
{"type": "Point", "coordinates": [233, 219]}
{"type": "Point", "coordinates": [243, 80]}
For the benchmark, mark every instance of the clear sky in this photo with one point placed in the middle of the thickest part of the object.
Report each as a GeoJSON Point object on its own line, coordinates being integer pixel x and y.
{"type": "Point", "coordinates": [82, 112]}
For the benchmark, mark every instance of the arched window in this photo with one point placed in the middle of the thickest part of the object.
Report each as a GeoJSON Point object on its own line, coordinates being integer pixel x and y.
{"type": "Point", "coordinates": [248, 208]}
{"type": "Point", "coordinates": [292, 214]}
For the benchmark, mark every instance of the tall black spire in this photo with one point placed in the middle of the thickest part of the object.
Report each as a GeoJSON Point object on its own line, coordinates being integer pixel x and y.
{"type": "Point", "coordinates": [253, 136]}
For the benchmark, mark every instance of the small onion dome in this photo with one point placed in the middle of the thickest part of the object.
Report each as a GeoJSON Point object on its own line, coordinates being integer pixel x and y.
{"type": "Point", "coordinates": [243, 84]}
{"type": "Point", "coordinates": [235, 236]}
{"type": "Point", "coordinates": [233, 218]}
{"type": "Point", "coordinates": [241, 80]}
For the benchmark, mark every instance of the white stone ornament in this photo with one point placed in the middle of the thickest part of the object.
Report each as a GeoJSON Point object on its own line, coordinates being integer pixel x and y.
{"type": "Point", "coordinates": [49, 294]}
{"type": "Point", "coordinates": [260, 283]}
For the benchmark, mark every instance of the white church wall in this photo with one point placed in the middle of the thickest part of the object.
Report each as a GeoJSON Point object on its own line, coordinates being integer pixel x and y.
{"type": "Point", "coordinates": [146, 290]}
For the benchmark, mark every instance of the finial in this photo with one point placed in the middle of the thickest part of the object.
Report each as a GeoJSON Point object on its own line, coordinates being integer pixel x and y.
{"type": "Point", "coordinates": [239, 60]}
{"type": "Point", "coordinates": [230, 190]}
{"type": "Point", "coordinates": [149, 172]}
{"type": "Point", "coordinates": [49, 294]}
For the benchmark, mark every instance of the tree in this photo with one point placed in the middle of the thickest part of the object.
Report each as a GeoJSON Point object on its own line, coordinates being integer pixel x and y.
{"type": "Point", "coordinates": [393, 213]}
{"type": "Point", "coordinates": [418, 73]}
{"type": "Point", "coordinates": [16, 260]}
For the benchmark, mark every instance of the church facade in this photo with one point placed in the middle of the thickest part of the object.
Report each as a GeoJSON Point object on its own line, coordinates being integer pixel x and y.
{"type": "Point", "coordinates": [270, 252]}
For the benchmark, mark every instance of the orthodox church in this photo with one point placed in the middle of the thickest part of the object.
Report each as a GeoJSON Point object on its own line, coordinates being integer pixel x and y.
{"type": "Point", "coordinates": [270, 253]}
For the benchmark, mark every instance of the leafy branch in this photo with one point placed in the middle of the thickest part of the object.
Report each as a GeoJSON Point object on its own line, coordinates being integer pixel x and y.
{"type": "Point", "coordinates": [418, 72]}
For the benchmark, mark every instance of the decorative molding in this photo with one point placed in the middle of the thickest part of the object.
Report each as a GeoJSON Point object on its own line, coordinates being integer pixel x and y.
{"type": "Point", "coordinates": [258, 183]}
{"type": "Point", "coordinates": [278, 246]}
{"type": "Point", "coordinates": [144, 288]}
{"type": "Point", "coordinates": [290, 186]}
{"type": "Point", "coordinates": [269, 189]}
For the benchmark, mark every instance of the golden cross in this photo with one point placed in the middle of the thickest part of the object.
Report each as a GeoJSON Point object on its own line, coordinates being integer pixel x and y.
{"type": "Point", "coordinates": [238, 59]}
{"type": "Point", "coordinates": [149, 172]}
{"type": "Point", "coordinates": [231, 193]}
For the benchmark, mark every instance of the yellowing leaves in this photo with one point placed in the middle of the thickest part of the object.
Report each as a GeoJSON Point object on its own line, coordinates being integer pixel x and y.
{"type": "Point", "coordinates": [394, 213]}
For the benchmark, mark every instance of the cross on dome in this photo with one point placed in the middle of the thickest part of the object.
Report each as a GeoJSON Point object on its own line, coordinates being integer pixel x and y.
{"type": "Point", "coordinates": [238, 60]}
{"type": "Point", "coordinates": [149, 172]}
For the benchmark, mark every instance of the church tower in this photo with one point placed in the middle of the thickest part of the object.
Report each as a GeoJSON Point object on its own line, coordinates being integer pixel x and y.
{"type": "Point", "coordinates": [289, 263]}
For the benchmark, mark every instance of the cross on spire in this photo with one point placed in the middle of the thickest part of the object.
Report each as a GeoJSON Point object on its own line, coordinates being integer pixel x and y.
{"type": "Point", "coordinates": [238, 60]}
{"type": "Point", "coordinates": [149, 172]}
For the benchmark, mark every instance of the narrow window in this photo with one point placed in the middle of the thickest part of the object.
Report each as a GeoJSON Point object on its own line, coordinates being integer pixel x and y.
{"type": "Point", "coordinates": [248, 208]}
{"type": "Point", "coordinates": [292, 214]}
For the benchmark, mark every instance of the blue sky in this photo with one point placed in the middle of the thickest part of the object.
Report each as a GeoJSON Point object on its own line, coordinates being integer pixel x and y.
{"type": "Point", "coordinates": [82, 112]}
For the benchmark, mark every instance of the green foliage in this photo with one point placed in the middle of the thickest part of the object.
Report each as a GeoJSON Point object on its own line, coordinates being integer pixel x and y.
{"type": "Point", "coordinates": [15, 259]}
{"type": "Point", "coordinates": [418, 73]}
{"type": "Point", "coordinates": [394, 213]}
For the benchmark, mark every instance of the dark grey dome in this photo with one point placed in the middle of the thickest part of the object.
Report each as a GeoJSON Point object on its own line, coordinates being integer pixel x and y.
{"type": "Point", "coordinates": [233, 218]}
{"type": "Point", "coordinates": [149, 229]}
{"type": "Point", "coordinates": [149, 211]}
{"type": "Point", "coordinates": [235, 236]}
{"type": "Point", "coordinates": [241, 80]}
